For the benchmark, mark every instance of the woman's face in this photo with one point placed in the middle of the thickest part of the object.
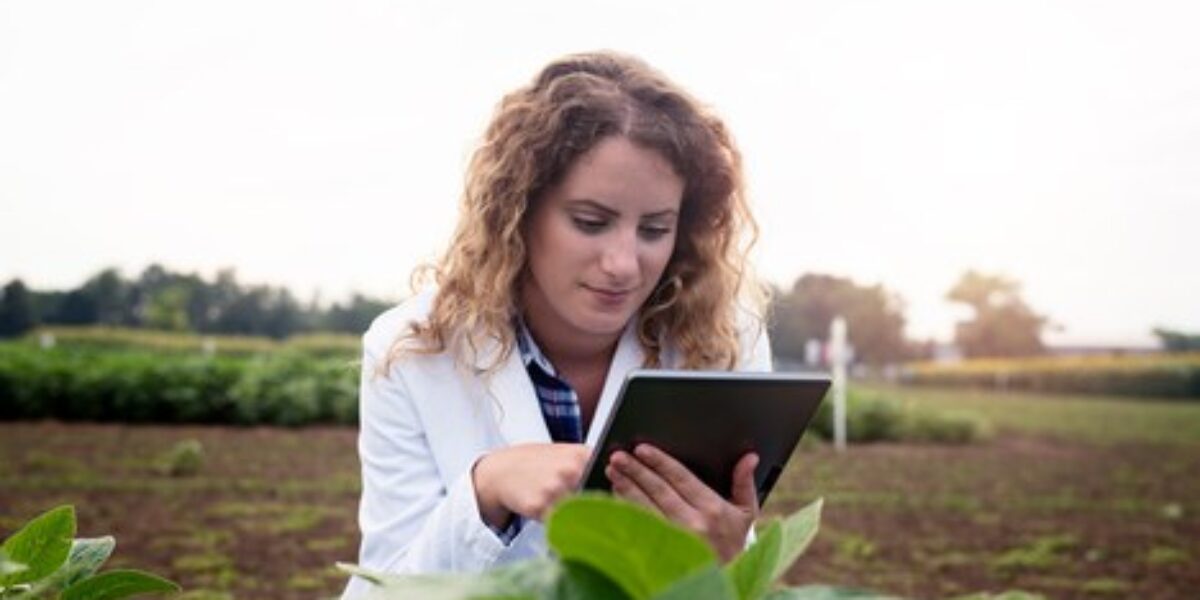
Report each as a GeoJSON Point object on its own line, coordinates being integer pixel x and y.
{"type": "Point", "coordinates": [598, 242]}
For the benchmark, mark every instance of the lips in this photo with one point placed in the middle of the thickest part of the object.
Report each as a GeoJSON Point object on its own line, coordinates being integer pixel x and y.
{"type": "Point", "coordinates": [609, 296]}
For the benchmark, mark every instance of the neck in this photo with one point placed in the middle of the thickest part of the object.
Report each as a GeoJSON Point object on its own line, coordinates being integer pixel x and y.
{"type": "Point", "coordinates": [570, 353]}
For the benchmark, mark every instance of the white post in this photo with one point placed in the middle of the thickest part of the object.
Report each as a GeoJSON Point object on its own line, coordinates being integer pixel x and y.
{"type": "Point", "coordinates": [839, 357]}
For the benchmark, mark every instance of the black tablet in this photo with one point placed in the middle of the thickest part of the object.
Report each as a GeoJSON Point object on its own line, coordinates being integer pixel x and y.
{"type": "Point", "coordinates": [708, 420]}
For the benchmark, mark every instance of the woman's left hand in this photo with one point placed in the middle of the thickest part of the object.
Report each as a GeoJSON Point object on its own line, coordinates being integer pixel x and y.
{"type": "Point", "coordinates": [654, 479]}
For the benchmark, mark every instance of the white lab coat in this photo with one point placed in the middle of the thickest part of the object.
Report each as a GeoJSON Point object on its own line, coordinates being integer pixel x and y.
{"type": "Point", "coordinates": [424, 426]}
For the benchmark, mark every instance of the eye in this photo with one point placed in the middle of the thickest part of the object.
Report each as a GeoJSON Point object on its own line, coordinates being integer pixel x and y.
{"type": "Point", "coordinates": [588, 224]}
{"type": "Point", "coordinates": [654, 232]}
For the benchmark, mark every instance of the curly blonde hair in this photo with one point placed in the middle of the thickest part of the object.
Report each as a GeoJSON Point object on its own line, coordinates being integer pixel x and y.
{"type": "Point", "coordinates": [535, 136]}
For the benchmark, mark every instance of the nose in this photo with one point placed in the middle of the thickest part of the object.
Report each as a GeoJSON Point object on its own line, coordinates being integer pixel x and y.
{"type": "Point", "coordinates": [619, 259]}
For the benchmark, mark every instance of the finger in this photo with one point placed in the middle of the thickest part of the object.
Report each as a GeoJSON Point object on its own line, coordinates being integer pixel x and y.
{"type": "Point", "coordinates": [695, 492]}
{"type": "Point", "coordinates": [624, 487]}
{"type": "Point", "coordinates": [654, 486]}
{"type": "Point", "coordinates": [745, 494]}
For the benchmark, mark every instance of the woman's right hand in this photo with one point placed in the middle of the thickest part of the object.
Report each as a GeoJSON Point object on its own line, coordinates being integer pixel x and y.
{"type": "Point", "coordinates": [527, 479]}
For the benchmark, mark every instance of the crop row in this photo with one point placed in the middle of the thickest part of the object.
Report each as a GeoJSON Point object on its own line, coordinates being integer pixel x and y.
{"type": "Point", "coordinates": [124, 338]}
{"type": "Point", "coordinates": [72, 384]}
{"type": "Point", "coordinates": [1160, 375]}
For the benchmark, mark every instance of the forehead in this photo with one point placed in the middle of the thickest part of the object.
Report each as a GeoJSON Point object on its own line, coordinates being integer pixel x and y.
{"type": "Point", "coordinates": [623, 176]}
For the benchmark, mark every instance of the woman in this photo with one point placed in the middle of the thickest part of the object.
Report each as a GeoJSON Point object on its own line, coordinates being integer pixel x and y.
{"type": "Point", "coordinates": [600, 231]}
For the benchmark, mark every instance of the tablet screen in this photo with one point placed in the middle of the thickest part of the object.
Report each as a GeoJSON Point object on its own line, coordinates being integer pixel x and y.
{"type": "Point", "coordinates": [708, 420]}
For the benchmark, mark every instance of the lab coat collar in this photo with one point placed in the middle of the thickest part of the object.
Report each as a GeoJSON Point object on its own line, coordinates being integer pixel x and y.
{"type": "Point", "coordinates": [515, 405]}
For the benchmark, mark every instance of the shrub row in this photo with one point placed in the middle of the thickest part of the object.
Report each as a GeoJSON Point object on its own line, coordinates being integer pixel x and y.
{"type": "Point", "coordinates": [124, 338]}
{"type": "Point", "coordinates": [874, 418]}
{"type": "Point", "coordinates": [287, 388]}
{"type": "Point", "coordinates": [1156, 375]}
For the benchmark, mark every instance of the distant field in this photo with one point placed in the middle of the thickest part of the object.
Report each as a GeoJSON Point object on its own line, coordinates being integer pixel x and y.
{"type": "Point", "coordinates": [1079, 417]}
{"type": "Point", "coordinates": [1073, 498]}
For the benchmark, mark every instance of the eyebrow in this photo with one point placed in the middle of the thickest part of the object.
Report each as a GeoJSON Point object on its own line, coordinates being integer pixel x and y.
{"type": "Point", "coordinates": [594, 205]}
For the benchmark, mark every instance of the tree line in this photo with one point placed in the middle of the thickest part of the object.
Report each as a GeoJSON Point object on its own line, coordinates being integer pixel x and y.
{"type": "Point", "coordinates": [1001, 324]}
{"type": "Point", "coordinates": [165, 300]}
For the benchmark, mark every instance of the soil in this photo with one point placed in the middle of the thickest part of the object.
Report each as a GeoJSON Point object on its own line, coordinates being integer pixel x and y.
{"type": "Point", "coordinates": [271, 510]}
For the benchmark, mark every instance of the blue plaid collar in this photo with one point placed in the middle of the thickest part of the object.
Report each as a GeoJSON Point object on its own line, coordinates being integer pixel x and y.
{"type": "Point", "coordinates": [530, 352]}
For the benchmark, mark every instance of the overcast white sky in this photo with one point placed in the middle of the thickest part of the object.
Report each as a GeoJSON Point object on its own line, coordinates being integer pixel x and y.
{"type": "Point", "coordinates": [321, 145]}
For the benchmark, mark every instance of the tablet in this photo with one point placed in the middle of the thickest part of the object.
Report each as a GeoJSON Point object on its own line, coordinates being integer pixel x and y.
{"type": "Point", "coordinates": [708, 420]}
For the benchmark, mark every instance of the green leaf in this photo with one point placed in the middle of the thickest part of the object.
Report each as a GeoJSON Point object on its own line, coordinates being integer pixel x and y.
{"type": "Point", "coordinates": [86, 557]}
{"type": "Point", "coordinates": [639, 550]}
{"type": "Point", "coordinates": [8, 567]}
{"type": "Point", "coordinates": [42, 545]}
{"type": "Point", "coordinates": [799, 529]}
{"type": "Point", "coordinates": [1008, 595]}
{"type": "Point", "coordinates": [824, 592]}
{"type": "Point", "coordinates": [706, 584]}
{"type": "Point", "coordinates": [529, 579]}
{"type": "Point", "coordinates": [581, 582]}
{"type": "Point", "coordinates": [118, 583]}
{"type": "Point", "coordinates": [751, 571]}
{"type": "Point", "coordinates": [754, 571]}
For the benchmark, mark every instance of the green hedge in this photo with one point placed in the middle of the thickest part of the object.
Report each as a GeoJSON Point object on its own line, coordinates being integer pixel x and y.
{"type": "Point", "coordinates": [142, 387]}
{"type": "Point", "coordinates": [874, 418]}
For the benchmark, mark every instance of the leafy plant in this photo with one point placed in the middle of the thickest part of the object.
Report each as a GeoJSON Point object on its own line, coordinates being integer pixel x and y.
{"type": "Point", "coordinates": [607, 548]}
{"type": "Point", "coordinates": [184, 459]}
{"type": "Point", "coordinates": [44, 559]}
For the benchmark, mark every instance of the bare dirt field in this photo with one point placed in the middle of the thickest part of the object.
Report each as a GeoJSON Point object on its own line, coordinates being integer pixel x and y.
{"type": "Point", "coordinates": [1042, 508]}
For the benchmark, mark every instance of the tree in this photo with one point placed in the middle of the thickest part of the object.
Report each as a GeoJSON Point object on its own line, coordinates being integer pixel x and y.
{"type": "Point", "coordinates": [110, 295]}
{"type": "Point", "coordinates": [167, 308]}
{"type": "Point", "coordinates": [874, 318]}
{"type": "Point", "coordinates": [1177, 341]}
{"type": "Point", "coordinates": [1002, 324]}
{"type": "Point", "coordinates": [356, 316]}
{"type": "Point", "coordinates": [17, 311]}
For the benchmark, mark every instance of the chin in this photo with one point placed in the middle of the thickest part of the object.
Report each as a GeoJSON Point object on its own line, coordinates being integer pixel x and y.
{"type": "Point", "coordinates": [603, 324]}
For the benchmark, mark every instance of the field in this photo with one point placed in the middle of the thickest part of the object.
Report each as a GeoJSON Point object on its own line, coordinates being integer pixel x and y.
{"type": "Point", "coordinates": [1071, 497]}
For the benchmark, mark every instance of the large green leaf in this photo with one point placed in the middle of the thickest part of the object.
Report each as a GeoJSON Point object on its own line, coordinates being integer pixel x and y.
{"type": "Point", "coordinates": [777, 548]}
{"type": "Point", "coordinates": [8, 567]}
{"type": "Point", "coordinates": [42, 545]}
{"type": "Point", "coordinates": [581, 582]}
{"type": "Point", "coordinates": [639, 550]}
{"type": "Point", "coordinates": [750, 572]}
{"type": "Point", "coordinates": [825, 592]}
{"type": "Point", "coordinates": [532, 579]}
{"type": "Point", "coordinates": [118, 583]}
{"type": "Point", "coordinates": [707, 584]}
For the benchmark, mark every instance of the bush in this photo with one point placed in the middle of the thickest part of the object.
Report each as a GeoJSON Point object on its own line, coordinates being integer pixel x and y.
{"type": "Point", "coordinates": [184, 459]}
{"type": "Point", "coordinates": [875, 418]}
{"type": "Point", "coordinates": [922, 425]}
{"type": "Point", "coordinates": [139, 387]}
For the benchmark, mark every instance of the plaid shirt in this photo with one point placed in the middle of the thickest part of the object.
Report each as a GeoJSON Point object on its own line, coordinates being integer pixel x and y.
{"type": "Point", "coordinates": [560, 404]}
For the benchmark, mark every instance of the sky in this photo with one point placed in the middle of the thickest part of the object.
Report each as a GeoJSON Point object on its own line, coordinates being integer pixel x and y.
{"type": "Point", "coordinates": [321, 145]}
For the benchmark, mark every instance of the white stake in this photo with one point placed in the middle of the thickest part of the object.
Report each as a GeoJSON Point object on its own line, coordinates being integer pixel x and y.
{"type": "Point", "coordinates": [839, 357]}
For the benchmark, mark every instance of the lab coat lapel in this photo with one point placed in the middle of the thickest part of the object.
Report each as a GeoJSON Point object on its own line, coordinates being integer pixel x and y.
{"type": "Point", "coordinates": [514, 402]}
{"type": "Point", "coordinates": [628, 356]}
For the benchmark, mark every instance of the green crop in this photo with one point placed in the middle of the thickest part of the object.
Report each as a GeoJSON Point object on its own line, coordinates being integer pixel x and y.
{"type": "Point", "coordinates": [44, 559]}
{"type": "Point", "coordinates": [605, 548]}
